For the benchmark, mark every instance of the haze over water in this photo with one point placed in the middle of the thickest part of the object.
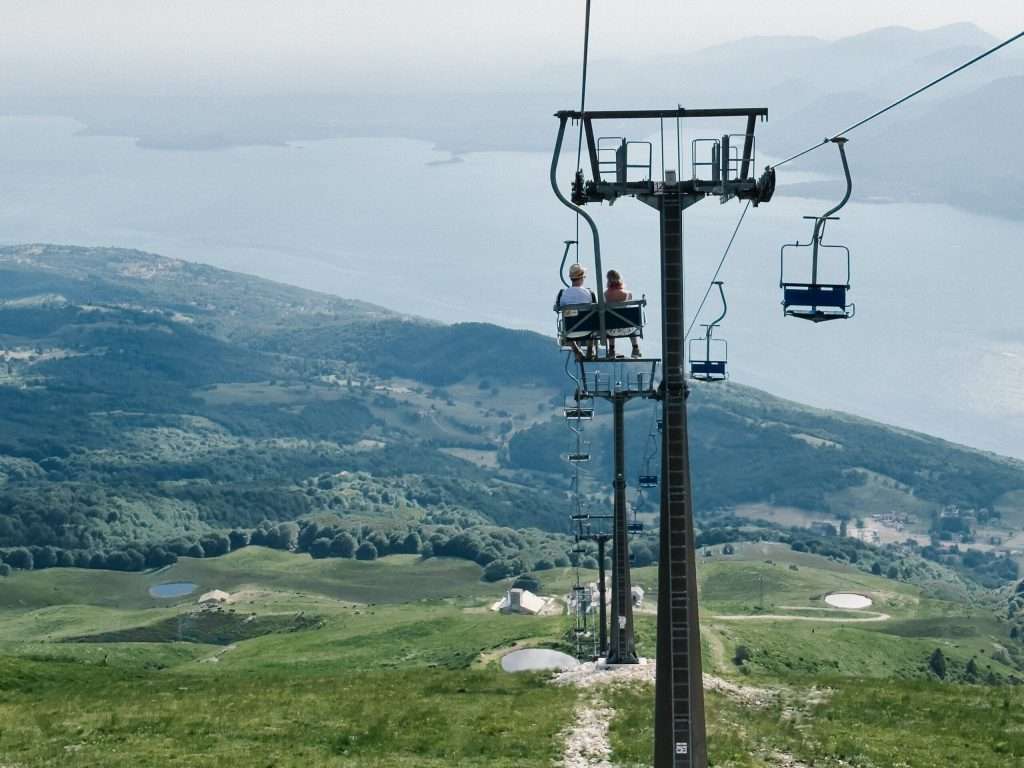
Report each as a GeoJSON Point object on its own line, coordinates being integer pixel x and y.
{"type": "Point", "coordinates": [937, 344]}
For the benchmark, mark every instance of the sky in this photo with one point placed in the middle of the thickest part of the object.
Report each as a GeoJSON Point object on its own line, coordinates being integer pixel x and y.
{"type": "Point", "coordinates": [261, 43]}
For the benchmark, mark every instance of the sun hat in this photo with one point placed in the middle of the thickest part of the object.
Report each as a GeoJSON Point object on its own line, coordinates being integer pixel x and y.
{"type": "Point", "coordinates": [576, 271]}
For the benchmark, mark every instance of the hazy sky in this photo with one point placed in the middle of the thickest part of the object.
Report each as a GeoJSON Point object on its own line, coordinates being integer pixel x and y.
{"type": "Point", "coordinates": [309, 41]}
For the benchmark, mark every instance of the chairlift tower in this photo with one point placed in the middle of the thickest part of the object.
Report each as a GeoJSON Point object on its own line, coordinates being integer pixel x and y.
{"type": "Point", "coordinates": [680, 733]}
{"type": "Point", "coordinates": [619, 381]}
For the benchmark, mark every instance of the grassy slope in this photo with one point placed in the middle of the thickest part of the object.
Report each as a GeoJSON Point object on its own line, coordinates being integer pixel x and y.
{"type": "Point", "coordinates": [395, 684]}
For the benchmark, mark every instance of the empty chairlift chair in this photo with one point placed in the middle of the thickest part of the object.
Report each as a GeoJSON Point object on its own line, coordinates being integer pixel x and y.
{"type": "Point", "coordinates": [819, 299]}
{"type": "Point", "coordinates": [709, 356]}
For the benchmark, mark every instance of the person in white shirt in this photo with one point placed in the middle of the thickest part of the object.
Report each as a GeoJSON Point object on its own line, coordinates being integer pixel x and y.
{"type": "Point", "coordinates": [577, 294]}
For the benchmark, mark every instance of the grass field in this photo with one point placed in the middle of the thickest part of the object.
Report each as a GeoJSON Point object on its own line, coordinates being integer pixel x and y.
{"type": "Point", "coordinates": [392, 664]}
{"type": "Point", "coordinates": [849, 722]}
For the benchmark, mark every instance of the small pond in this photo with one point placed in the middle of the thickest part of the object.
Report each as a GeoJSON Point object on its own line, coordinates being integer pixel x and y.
{"type": "Point", "coordinates": [535, 659]}
{"type": "Point", "coordinates": [848, 600]}
{"type": "Point", "coordinates": [173, 589]}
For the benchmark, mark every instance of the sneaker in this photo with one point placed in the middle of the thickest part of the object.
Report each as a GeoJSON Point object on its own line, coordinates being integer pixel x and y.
{"type": "Point", "coordinates": [636, 352]}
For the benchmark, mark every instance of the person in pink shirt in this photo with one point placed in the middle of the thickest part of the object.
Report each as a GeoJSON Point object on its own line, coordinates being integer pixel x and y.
{"type": "Point", "coordinates": [616, 292]}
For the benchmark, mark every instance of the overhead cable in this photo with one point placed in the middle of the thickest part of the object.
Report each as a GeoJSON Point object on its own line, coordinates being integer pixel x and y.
{"type": "Point", "coordinates": [719, 269]}
{"type": "Point", "coordinates": [909, 96]}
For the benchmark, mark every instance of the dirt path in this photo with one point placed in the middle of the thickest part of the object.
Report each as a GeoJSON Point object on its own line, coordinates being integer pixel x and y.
{"type": "Point", "coordinates": [586, 740]}
{"type": "Point", "coordinates": [869, 616]}
{"type": "Point", "coordinates": [719, 658]}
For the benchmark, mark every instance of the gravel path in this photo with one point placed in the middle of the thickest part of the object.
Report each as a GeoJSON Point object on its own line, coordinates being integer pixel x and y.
{"type": "Point", "coordinates": [586, 741]}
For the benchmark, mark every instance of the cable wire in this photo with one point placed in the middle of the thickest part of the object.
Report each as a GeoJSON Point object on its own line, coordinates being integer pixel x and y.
{"type": "Point", "coordinates": [583, 103]}
{"type": "Point", "coordinates": [714, 277]}
{"type": "Point", "coordinates": [909, 96]}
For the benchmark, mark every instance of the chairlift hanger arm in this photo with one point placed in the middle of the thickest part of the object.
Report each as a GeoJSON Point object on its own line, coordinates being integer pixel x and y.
{"type": "Point", "coordinates": [576, 209]}
{"type": "Point", "coordinates": [840, 142]}
{"type": "Point", "coordinates": [725, 308]}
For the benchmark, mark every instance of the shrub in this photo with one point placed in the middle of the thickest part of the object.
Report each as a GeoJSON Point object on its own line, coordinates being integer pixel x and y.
{"type": "Point", "coordinates": [937, 663]}
{"type": "Point", "coordinates": [741, 655]}
{"type": "Point", "coordinates": [497, 570]}
{"type": "Point", "coordinates": [320, 548]}
{"type": "Point", "coordinates": [366, 551]}
{"type": "Point", "coordinates": [526, 581]}
{"type": "Point", "coordinates": [343, 545]}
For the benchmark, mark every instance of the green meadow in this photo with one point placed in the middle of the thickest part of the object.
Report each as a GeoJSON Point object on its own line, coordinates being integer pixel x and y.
{"type": "Point", "coordinates": [394, 663]}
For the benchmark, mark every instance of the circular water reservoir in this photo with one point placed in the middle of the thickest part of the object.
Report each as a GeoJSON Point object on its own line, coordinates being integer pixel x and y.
{"type": "Point", "coordinates": [173, 589]}
{"type": "Point", "coordinates": [848, 600]}
{"type": "Point", "coordinates": [537, 659]}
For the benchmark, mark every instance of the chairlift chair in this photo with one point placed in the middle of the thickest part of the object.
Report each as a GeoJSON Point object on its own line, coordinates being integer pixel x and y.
{"type": "Point", "coordinates": [580, 409]}
{"type": "Point", "coordinates": [582, 322]}
{"type": "Point", "coordinates": [817, 300]}
{"type": "Point", "coordinates": [578, 457]}
{"type": "Point", "coordinates": [648, 481]}
{"type": "Point", "coordinates": [708, 355]}
{"type": "Point", "coordinates": [635, 526]}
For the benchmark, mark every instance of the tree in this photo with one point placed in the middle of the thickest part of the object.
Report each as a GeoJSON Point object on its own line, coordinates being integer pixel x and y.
{"type": "Point", "coordinates": [498, 570]}
{"type": "Point", "coordinates": [343, 545]}
{"type": "Point", "coordinates": [320, 548]}
{"type": "Point", "coordinates": [412, 543]}
{"type": "Point", "coordinates": [216, 544]}
{"type": "Point", "coordinates": [284, 536]}
{"type": "Point", "coordinates": [158, 557]}
{"type": "Point", "coordinates": [526, 581]}
{"type": "Point", "coordinates": [893, 572]}
{"type": "Point", "coordinates": [366, 551]}
{"type": "Point", "coordinates": [971, 670]}
{"type": "Point", "coordinates": [45, 557]}
{"type": "Point", "coordinates": [380, 542]}
{"type": "Point", "coordinates": [5, 570]}
{"type": "Point", "coordinates": [641, 554]}
{"type": "Point", "coordinates": [937, 663]}
{"type": "Point", "coordinates": [196, 550]}
{"type": "Point", "coordinates": [239, 539]}
{"type": "Point", "coordinates": [65, 559]}
{"type": "Point", "coordinates": [876, 568]}
{"type": "Point", "coordinates": [728, 549]}
{"type": "Point", "coordinates": [741, 655]}
{"type": "Point", "coordinates": [309, 533]}
{"type": "Point", "coordinates": [20, 558]}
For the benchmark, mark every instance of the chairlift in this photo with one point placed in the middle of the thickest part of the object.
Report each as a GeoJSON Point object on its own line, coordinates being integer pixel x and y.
{"type": "Point", "coordinates": [578, 457]}
{"type": "Point", "coordinates": [708, 355]}
{"type": "Point", "coordinates": [819, 300]}
{"type": "Point", "coordinates": [635, 526]}
{"type": "Point", "coordinates": [580, 409]}
{"type": "Point", "coordinates": [648, 481]}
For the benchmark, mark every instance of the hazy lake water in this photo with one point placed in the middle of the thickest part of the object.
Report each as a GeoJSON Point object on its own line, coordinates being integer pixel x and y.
{"type": "Point", "coordinates": [937, 344]}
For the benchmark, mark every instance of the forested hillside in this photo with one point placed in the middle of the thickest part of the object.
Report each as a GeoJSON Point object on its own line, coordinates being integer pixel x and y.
{"type": "Point", "coordinates": [149, 404]}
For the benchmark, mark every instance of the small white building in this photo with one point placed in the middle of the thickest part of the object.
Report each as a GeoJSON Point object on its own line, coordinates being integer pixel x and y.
{"type": "Point", "coordinates": [638, 596]}
{"type": "Point", "coordinates": [522, 601]}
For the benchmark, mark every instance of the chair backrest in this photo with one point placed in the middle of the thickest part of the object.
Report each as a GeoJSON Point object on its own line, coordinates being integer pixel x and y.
{"type": "Point", "coordinates": [811, 295]}
{"type": "Point", "coordinates": [581, 321]}
{"type": "Point", "coordinates": [707, 367]}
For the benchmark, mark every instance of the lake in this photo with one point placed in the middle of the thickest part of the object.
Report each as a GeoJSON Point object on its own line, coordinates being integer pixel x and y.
{"type": "Point", "coordinates": [172, 589]}
{"type": "Point", "coordinates": [937, 344]}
